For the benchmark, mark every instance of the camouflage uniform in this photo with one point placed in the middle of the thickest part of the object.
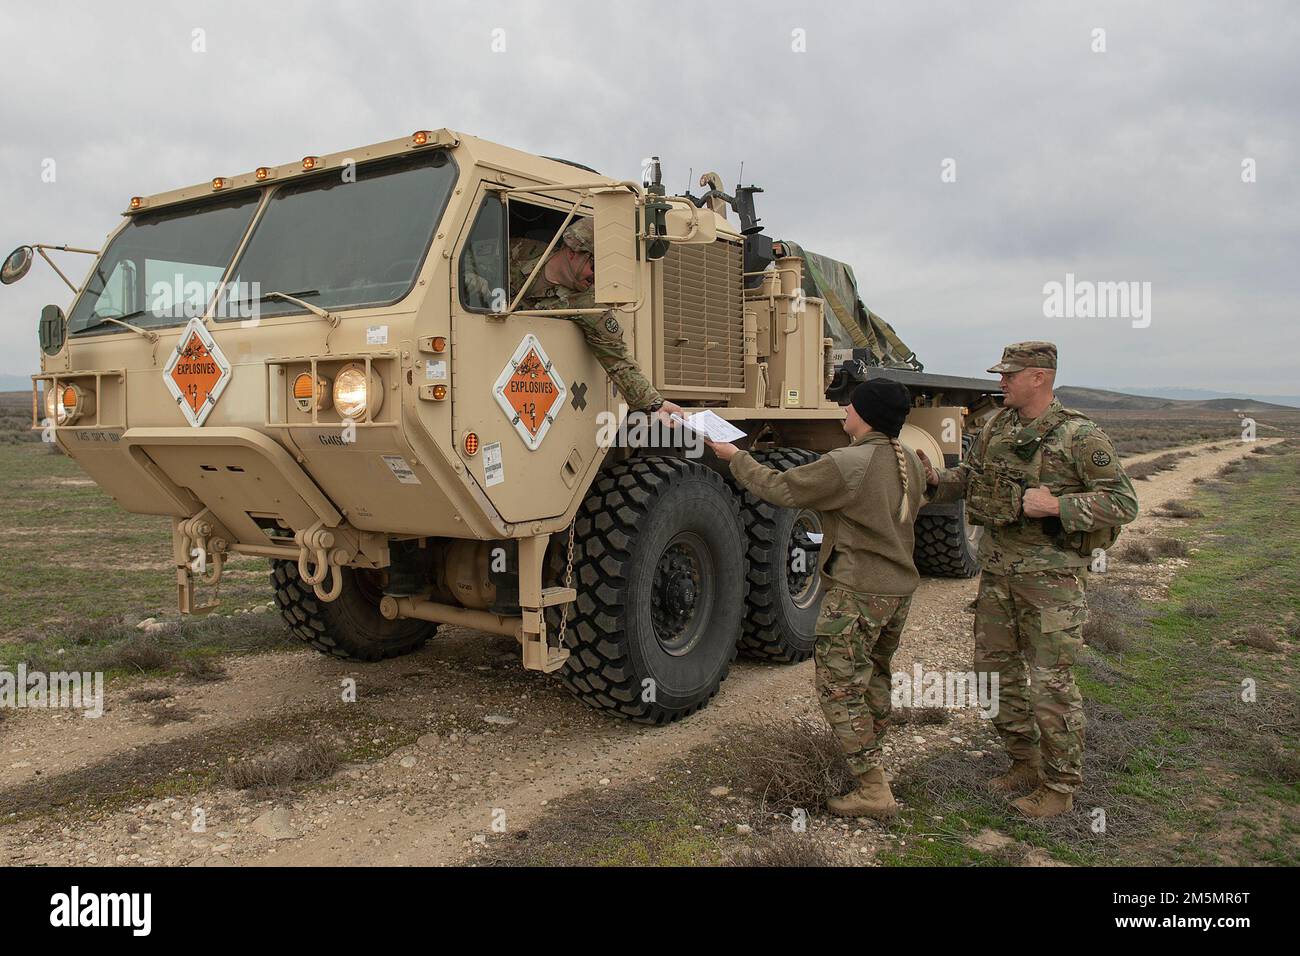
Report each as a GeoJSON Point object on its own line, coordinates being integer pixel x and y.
{"type": "Point", "coordinates": [1030, 611]}
{"type": "Point", "coordinates": [603, 333]}
{"type": "Point", "coordinates": [857, 635]}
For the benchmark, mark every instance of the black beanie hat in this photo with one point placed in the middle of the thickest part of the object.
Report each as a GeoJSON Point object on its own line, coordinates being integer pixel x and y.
{"type": "Point", "coordinates": [883, 405]}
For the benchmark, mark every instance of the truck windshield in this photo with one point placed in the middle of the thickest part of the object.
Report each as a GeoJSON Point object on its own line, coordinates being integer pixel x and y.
{"type": "Point", "coordinates": [163, 266]}
{"type": "Point", "coordinates": [354, 237]}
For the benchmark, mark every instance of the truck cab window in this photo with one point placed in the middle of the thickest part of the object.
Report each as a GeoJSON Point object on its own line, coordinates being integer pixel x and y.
{"type": "Point", "coordinates": [483, 261]}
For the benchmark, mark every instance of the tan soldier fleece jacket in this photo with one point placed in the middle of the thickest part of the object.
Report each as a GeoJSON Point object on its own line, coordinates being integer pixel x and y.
{"type": "Point", "coordinates": [857, 489]}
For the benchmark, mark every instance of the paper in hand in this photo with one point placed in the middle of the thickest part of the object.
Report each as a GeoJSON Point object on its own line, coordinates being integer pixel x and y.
{"type": "Point", "coordinates": [710, 425]}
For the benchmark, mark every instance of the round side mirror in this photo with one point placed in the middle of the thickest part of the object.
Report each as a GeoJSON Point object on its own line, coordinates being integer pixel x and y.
{"type": "Point", "coordinates": [53, 330]}
{"type": "Point", "coordinates": [16, 266]}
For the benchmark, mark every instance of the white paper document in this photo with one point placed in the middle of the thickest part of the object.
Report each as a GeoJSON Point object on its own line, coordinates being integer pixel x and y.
{"type": "Point", "coordinates": [712, 426]}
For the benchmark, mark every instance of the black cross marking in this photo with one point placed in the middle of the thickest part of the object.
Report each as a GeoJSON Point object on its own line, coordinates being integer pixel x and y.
{"type": "Point", "coordinates": [579, 395]}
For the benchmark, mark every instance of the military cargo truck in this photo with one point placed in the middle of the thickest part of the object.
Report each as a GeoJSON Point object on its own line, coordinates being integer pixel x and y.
{"type": "Point", "coordinates": [292, 363]}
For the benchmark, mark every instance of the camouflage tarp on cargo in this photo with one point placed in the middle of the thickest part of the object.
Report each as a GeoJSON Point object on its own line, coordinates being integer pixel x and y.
{"type": "Point", "coordinates": [850, 323]}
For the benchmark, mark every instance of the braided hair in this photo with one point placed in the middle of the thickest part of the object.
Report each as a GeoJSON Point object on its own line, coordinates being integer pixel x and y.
{"type": "Point", "coordinates": [904, 507]}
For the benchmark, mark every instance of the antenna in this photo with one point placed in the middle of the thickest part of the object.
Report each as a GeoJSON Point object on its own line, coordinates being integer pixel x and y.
{"type": "Point", "coordinates": [741, 177]}
{"type": "Point", "coordinates": [690, 178]}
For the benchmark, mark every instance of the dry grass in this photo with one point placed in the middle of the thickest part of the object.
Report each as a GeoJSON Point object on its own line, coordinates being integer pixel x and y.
{"type": "Point", "coordinates": [1142, 470]}
{"type": "Point", "coordinates": [788, 765]}
{"type": "Point", "coordinates": [919, 715]}
{"type": "Point", "coordinates": [1202, 610]}
{"type": "Point", "coordinates": [1111, 612]}
{"type": "Point", "coordinates": [1257, 636]}
{"type": "Point", "coordinates": [1177, 508]}
{"type": "Point", "coordinates": [159, 716]}
{"type": "Point", "coordinates": [788, 850]}
{"type": "Point", "coordinates": [283, 766]}
{"type": "Point", "coordinates": [147, 695]}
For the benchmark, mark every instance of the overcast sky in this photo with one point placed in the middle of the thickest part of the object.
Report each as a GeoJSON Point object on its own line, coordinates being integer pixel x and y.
{"type": "Point", "coordinates": [1122, 165]}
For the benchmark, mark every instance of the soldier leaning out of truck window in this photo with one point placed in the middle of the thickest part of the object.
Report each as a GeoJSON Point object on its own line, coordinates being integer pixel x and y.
{"type": "Point", "coordinates": [868, 494]}
{"type": "Point", "coordinates": [565, 282]}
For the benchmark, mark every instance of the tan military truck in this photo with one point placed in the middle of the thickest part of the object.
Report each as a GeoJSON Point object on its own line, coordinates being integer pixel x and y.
{"type": "Point", "coordinates": [290, 363]}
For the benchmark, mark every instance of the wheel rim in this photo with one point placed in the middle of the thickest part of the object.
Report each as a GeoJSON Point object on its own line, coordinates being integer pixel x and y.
{"type": "Point", "coordinates": [803, 585]}
{"type": "Point", "coordinates": [682, 593]}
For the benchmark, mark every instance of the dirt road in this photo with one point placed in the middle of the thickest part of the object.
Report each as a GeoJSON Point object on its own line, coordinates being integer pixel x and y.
{"type": "Point", "coordinates": [457, 738]}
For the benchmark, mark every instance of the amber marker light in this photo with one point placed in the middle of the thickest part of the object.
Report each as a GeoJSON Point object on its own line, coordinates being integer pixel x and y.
{"type": "Point", "coordinates": [219, 182]}
{"type": "Point", "coordinates": [310, 162]}
{"type": "Point", "coordinates": [421, 137]}
{"type": "Point", "coordinates": [471, 443]}
{"type": "Point", "coordinates": [308, 394]}
{"type": "Point", "coordinates": [137, 202]}
{"type": "Point", "coordinates": [439, 392]}
{"type": "Point", "coordinates": [263, 173]}
{"type": "Point", "coordinates": [440, 343]}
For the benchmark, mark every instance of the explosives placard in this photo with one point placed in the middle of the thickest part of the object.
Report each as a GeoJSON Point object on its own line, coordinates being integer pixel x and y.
{"type": "Point", "coordinates": [530, 391]}
{"type": "Point", "coordinates": [197, 373]}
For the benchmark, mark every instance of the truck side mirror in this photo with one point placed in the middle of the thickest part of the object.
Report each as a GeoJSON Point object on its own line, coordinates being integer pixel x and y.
{"type": "Point", "coordinates": [16, 266]}
{"type": "Point", "coordinates": [616, 256]}
{"type": "Point", "coordinates": [52, 330]}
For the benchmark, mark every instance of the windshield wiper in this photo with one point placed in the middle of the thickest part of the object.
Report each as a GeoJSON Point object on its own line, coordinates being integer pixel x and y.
{"type": "Point", "coordinates": [316, 310]}
{"type": "Point", "coordinates": [121, 320]}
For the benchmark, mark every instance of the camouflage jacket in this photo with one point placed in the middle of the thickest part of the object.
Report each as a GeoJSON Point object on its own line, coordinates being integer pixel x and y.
{"type": "Point", "coordinates": [603, 333]}
{"type": "Point", "coordinates": [1076, 461]}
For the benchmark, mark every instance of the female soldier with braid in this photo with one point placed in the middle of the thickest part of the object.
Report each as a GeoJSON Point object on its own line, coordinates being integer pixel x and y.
{"type": "Point", "coordinates": [868, 494]}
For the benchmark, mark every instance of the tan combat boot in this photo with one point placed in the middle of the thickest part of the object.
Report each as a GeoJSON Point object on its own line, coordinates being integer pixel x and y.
{"type": "Point", "coordinates": [1022, 775]}
{"type": "Point", "coordinates": [1044, 803]}
{"type": "Point", "coordinates": [872, 798]}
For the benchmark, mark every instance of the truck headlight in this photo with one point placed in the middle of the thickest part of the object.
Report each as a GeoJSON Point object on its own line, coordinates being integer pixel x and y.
{"type": "Point", "coordinates": [353, 395]}
{"type": "Point", "coordinates": [64, 405]}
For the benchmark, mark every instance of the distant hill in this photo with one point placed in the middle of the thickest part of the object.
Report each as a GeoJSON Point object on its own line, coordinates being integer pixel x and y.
{"type": "Point", "coordinates": [1098, 398]}
{"type": "Point", "coordinates": [1185, 393]}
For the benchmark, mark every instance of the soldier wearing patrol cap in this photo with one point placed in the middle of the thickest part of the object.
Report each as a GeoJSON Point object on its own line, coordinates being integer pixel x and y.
{"type": "Point", "coordinates": [1047, 485]}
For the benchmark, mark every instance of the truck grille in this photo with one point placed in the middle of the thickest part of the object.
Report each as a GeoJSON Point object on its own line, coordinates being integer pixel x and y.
{"type": "Point", "coordinates": [703, 320]}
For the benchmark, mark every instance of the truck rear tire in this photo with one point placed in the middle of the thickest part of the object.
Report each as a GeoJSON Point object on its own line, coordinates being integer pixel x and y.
{"type": "Point", "coordinates": [351, 626]}
{"type": "Point", "coordinates": [658, 564]}
{"type": "Point", "coordinates": [946, 545]}
{"type": "Point", "coordinates": [781, 609]}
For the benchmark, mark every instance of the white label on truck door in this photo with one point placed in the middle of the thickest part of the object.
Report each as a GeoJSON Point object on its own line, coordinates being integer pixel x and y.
{"type": "Point", "coordinates": [493, 471]}
{"type": "Point", "coordinates": [400, 469]}
{"type": "Point", "coordinates": [435, 368]}
{"type": "Point", "coordinates": [377, 335]}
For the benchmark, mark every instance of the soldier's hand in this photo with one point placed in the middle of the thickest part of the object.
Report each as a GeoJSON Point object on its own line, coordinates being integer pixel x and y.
{"type": "Point", "coordinates": [931, 476]}
{"type": "Point", "coordinates": [723, 449]}
{"type": "Point", "coordinates": [667, 410]}
{"type": "Point", "coordinates": [1041, 503]}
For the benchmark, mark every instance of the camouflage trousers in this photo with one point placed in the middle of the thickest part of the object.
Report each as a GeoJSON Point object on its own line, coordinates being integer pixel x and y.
{"type": "Point", "coordinates": [857, 635]}
{"type": "Point", "coordinates": [1028, 630]}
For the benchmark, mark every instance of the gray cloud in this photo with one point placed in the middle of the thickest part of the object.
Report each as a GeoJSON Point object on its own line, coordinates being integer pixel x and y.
{"type": "Point", "coordinates": [1123, 165]}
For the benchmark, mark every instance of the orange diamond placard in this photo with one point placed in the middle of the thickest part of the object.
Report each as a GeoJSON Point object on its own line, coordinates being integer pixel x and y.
{"type": "Point", "coordinates": [197, 373]}
{"type": "Point", "coordinates": [530, 391]}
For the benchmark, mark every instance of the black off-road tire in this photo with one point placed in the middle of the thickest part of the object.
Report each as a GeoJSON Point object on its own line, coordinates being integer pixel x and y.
{"type": "Point", "coordinates": [946, 546]}
{"type": "Point", "coordinates": [350, 627]}
{"type": "Point", "coordinates": [638, 519]}
{"type": "Point", "coordinates": [776, 627]}
{"type": "Point", "coordinates": [943, 548]}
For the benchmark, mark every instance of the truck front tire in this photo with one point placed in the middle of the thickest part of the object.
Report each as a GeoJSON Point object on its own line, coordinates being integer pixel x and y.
{"type": "Point", "coordinates": [659, 571]}
{"type": "Point", "coordinates": [349, 627]}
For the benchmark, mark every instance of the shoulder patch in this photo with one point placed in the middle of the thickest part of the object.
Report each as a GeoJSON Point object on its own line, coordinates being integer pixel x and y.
{"type": "Point", "coordinates": [612, 326]}
{"type": "Point", "coordinates": [1101, 458]}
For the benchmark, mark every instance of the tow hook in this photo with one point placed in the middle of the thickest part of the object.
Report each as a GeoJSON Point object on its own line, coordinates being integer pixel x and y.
{"type": "Point", "coordinates": [319, 559]}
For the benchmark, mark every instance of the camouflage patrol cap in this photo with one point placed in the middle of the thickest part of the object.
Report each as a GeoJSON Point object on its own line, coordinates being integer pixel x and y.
{"type": "Point", "coordinates": [580, 236]}
{"type": "Point", "coordinates": [1022, 355]}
